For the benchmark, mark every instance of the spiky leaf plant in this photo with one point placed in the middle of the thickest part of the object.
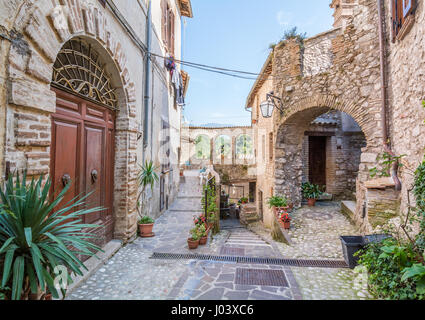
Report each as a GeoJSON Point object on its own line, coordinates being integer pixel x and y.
{"type": "Point", "coordinates": [38, 235]}
{"type": "Point", "coordinates": [147, 176]}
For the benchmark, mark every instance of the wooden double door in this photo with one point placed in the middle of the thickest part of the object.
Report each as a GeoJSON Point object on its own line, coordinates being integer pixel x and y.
{"type": "Point", "coordinates": [82, 153]}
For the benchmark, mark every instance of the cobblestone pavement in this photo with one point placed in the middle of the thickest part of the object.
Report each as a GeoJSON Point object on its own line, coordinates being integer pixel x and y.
{"type": "Point", "coordinates": [315, 234]}
{"type": "Point", "coordinates": [131, 275]}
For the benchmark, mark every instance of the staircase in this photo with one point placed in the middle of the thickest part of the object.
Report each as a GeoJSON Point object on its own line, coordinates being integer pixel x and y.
{"type": "Point", "coordinates": [248, 214]}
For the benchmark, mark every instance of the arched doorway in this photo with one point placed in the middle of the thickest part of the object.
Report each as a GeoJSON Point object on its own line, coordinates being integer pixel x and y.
{"type": "Point", "coordinates": [83, 132]}
{"type": "Point", "coordinates": [322, 146]}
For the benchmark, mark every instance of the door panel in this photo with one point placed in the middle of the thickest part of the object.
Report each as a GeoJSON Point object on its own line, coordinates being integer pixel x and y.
{"type": "Point", "coordinates": [65, 154]}
{"type": "Point", "coordinates": [83, 138]}
{"type": "Point", "coordinates": [94, 170]}
{"type": "Point", "coordinates": [317, 160]}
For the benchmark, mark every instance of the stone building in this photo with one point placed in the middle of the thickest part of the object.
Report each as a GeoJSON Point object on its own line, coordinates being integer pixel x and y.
{"type": "Point", "coordinates": [73, 100]}
{"type": "Point", "coordinates": [375, 82]}
{"type": "Point", "coordinates": [229, 150]}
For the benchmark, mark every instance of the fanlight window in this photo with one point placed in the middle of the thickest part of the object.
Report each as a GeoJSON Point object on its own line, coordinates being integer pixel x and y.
{"type": "Point", "coordinates": [78, 69]}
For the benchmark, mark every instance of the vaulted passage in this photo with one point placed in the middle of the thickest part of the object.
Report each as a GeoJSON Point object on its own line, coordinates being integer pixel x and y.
{"type": "Point", "coordinates": [320, 146]}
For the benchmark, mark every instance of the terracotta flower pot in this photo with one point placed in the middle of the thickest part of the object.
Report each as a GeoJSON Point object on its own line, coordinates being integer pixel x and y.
{"type": "Point", "coordinates": [193, 244]}
{"type": "Point", "coordinates": [311, 202]}
{"type": "Point", "coordinates": [145, 229]}
{"type": "Point", "coordinates": [287, 225]}
{"type": "Point", "coordinates": [203, 241]}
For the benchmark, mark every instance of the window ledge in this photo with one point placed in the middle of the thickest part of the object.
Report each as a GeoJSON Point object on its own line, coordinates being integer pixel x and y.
{"type": "Point", "coordinates": [408, 24]}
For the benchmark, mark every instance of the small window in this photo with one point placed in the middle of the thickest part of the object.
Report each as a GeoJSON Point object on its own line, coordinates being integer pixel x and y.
{"type": "Point", "coordinates": [168, 27]}
{"type": "Point", "coordinates": [402, 17]}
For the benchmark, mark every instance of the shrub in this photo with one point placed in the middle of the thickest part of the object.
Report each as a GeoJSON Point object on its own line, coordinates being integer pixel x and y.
{"type": "Point", "coordinates": [146, 220]}
{"type": "Point", "coordinates": [277, 202]}
{"type": "Point", "coordinates": [38, 235]}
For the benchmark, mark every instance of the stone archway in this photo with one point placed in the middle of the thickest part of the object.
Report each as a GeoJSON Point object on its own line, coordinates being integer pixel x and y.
{"type": "Point", "coordinates": [289, 139]}
{"type": "Point", "coordinates": [40, 31]}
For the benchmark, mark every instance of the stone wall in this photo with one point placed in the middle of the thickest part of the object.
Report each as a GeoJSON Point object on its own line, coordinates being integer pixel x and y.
{"type": "Point", "coordinates": [350, 84]}
{"type": "Point", "coordinates": [406, 77]}
{"type": "Point", "coordinates": [36, 30]}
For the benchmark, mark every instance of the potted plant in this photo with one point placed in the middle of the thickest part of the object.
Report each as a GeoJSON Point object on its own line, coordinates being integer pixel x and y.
{"type": "Point", "coordinates": [203, 235]}
{"type": "Point", "coordinates": [147, 176]}
{"type": "Point", "coordinates": [243, 200]}
{"type": "Point", "coordinates": [193, 241]}
{"type": "Point", "coordinates": [311, 192]}
{"type": "Point", "coordinates": [278, 203]}
{"type": "Point", "coordinates": [39, 233]}
{"type": "Point", "coordinates": [285, 219]}
{"type": "Point", "coordinates": [145, 226]}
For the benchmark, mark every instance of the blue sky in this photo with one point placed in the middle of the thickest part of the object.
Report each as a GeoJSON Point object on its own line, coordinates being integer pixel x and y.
{"type": "Point", "coordinates": [236, 34]}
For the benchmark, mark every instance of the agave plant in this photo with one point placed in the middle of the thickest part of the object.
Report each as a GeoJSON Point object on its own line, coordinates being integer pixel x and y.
{"type": "Point", "coordinates": [37, 235]}
{"type": "Point", "coordinates": [147, 176]}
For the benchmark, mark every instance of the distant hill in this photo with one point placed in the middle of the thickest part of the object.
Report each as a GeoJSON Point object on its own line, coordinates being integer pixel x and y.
{"type": "Point", "coordinates": [213, 125]}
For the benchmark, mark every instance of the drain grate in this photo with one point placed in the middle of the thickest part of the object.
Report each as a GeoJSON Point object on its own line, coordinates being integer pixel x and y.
{"type": "Point", "coordinates": [231, 251]}
{"type": "Point", "coordinates": [252, 260]}
{"type": "Point", "coordinates": [261, 277]}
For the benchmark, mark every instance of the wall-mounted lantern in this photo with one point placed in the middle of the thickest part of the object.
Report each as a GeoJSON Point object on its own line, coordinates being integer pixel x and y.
{"type": "Point", "coordinates": [268, 106]}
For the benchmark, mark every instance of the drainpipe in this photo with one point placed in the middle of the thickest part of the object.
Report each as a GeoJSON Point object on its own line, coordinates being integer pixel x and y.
{"type": "Point", "coordinates": [147, 77]}
{"type": "Point", "coordinates": [385, 136]}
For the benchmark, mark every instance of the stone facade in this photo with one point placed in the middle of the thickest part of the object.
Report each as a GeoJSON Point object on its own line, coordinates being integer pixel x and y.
{"type": "Point", "coordinates": [33, 32]}
{"type": "Point", "coordinates": [340, 70]}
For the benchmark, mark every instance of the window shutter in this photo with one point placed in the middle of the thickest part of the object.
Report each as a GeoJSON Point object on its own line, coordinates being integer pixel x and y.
{"type": "Point", "coordinates": [164, 22]}
{"type": "Point", "coordinates": [394, 19]}
{"type": "Point", "coordinates": [172, 35]}
{"type": "Point", "coordinates": [407, 7]}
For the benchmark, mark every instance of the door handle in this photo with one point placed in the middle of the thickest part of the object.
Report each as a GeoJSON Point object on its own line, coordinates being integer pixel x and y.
{"type": "Point", "coordinates": [94, 176]}
{"type": "Point", "coordinates": [66, 178]}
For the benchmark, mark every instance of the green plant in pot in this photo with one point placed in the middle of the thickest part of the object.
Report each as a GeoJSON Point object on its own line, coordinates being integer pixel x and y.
{"type": "Point", "coordinates": [193, 241]}
{"type": "Point", "coordinates": [39, 237]}
{"type": "Point", "coordinates": [203, 235]}
{"type": "Point", "coordinates": [243, 200]}
{"type": "Point", "coordinates": [147, 177]}
{"type": "Point", "coordinates": [311, 192]}
{"type": "Point", "coordinates": [278, 203]}
{"type": "Point", "coordinates": [146, 226]}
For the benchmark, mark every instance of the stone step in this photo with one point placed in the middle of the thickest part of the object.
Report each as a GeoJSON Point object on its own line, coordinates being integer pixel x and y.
{"type": "Point", "coordinates": [348, 208]}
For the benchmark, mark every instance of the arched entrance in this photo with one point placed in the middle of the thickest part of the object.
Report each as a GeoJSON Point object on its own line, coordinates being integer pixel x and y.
{"type": "Point", "coordinates": [83, 132]}
{"type": "Point", "coordinates": [321, 145]}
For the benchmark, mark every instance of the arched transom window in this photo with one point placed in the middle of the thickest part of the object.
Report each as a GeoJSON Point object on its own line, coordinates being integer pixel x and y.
{"type": "Point", "coordinates": [78, 69]}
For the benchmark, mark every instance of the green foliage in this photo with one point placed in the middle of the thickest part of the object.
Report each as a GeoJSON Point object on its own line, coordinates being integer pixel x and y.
{"type": "Point", "coordinates": [386, 161]}
{"type": "Point", "coordinates": [40, 235]}
{"type": "Point", "coordinates": [396, 267]}
{"type": "Point", "coordinates": [294, 34]}
{"type": "Point", "coordinates": [223, 146]}
{"type": "Point", "coordinates": [194, 234]}
{"type": "Point", "coordinates": [311, 191]}
{"type": "Point", "coordinates": [419, 192]}
{"type": "Point", "coordinates": [146, 220]}
{"type": "Point", "coordinates": [211, 199]}
{"type": "Point", "coordinates": [277, 202]}
{"type": "Point", "coordinates": [202, 231]}
{"type": "Point", "coordinates": [202, 147]}
{"type": "Point", "coordinates": [147, 176]}
{"type": "Point", "coordinates": [244, 146]}
{"type": "Point", "coordinates": [243, 200]}
{"type": "Point", "coordinates": [386, 263]}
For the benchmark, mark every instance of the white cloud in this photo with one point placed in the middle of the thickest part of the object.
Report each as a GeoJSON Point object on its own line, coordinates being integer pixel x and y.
{"type": "Point", "coordinates": [284, 18]}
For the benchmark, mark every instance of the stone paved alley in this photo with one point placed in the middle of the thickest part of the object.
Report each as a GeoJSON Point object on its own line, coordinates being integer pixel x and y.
{"type": "Point", "coordinates": [131, 274]}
